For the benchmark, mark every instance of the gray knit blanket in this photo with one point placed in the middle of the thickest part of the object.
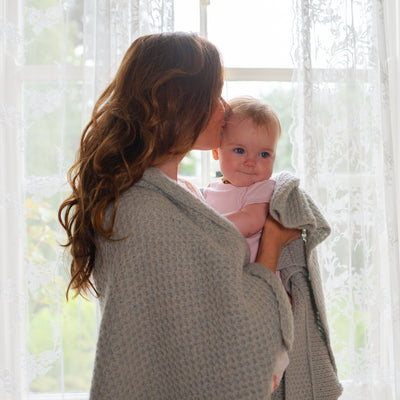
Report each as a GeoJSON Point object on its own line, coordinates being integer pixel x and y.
{"type": "Point", "coordinates": [311, 374]}
{"type": "Point", "coordinates": [184, 315]}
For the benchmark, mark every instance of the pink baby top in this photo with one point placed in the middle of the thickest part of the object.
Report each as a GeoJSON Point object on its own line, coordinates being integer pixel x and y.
{"type": "Point", "coordinates": [227, 198]}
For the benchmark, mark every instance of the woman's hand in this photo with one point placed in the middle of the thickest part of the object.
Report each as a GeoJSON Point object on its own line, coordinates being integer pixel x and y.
{"type": "Point", "coordinates": [274, 237]}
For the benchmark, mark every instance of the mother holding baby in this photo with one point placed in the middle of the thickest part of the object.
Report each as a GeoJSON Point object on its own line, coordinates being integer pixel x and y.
{"type": "Point", "coordinates": [184, 314]}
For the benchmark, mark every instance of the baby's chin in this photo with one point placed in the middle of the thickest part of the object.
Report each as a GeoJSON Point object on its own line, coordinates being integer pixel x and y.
{"type": "Point", "coordinates": [244, 182]}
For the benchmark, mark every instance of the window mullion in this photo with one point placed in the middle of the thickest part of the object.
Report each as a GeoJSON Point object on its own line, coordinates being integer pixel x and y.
{"type": "Point", "coordinates": [205, 155]}
{"type": "Point", "coordinates": [51, 73]}
{"type": "Point", "coordinates": [203, 17]}
{"type": "Point", "coordinates": [259, 74]}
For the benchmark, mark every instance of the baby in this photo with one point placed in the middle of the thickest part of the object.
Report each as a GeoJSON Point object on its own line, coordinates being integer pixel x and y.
{"type": "Point", "coordinates": [246, 157]}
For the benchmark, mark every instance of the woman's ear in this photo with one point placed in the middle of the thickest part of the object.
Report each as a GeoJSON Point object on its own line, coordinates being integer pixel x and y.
{"type": "Point", "coordinates": [215, 154]}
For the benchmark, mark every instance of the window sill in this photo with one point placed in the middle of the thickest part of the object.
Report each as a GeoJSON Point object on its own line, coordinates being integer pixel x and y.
{"type": "Point", "coordinates": [58, 396]}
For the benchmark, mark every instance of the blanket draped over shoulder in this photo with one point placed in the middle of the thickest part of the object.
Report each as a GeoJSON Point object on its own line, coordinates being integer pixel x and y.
{"type": "Point", "coordinates": [311, 374]}
{"type": "Point", "coordinates": [184, 313]}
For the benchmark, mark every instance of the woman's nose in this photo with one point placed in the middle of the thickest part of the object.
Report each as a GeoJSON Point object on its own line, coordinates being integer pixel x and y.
{"type": "Point", "coordinates": [227, 108]}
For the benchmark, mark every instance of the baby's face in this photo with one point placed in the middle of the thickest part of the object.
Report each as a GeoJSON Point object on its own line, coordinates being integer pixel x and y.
{"type": "Point", "coordinates": [247, 152]}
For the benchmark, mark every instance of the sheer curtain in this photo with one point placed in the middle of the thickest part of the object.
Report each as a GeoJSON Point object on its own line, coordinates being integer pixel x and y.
{"type": "Point", "coordinates": [345, 153]}
{"type": "Point", "coordinates": [55, 59]}
{"type": "Point", "coordinates": [392, 35]}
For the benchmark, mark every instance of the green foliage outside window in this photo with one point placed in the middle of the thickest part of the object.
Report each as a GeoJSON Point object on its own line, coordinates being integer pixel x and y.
{"type": "Point", "coordinates": [281, 102]}
{"type": "Point", "coordinates": [61, 337]}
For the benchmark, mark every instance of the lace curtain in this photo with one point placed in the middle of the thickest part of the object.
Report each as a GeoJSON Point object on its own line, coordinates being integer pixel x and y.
{"type": "Point", "coordinates": [345, 153]}
{"type": "Point", "coordinates": [56, 56]}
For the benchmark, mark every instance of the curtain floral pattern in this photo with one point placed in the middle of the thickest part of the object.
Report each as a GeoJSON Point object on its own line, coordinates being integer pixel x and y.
{"type": "Point", "coordinates": [345, 156]}
{"type": "Point", "coordinates": [56, 56]}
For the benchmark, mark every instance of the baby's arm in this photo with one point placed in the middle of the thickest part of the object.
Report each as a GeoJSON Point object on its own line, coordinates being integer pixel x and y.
{"type": "Point", "coordinates": [250, 219]}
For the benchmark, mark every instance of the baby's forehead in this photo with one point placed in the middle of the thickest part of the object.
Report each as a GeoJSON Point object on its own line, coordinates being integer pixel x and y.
{"type": "Point", "coordinates": [238, 122]}
{"type": "Point", "coordinates": [240, 119]}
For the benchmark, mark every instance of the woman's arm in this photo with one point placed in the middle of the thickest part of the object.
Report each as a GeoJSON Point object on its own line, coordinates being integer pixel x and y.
{"type": "Point", "coordinates": [274, 237]}
{"type": "Point", "coordinates": [250, 219]}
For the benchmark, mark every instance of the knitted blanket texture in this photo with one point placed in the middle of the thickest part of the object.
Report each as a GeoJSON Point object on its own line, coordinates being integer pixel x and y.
{"type": "Point", "coordinates": [311, 374]}
{"type": "Point", "coordinates": [184, 314]}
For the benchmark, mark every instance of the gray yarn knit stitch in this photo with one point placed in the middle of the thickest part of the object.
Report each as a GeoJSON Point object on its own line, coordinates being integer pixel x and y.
{"type": "Point", "coordinates": [184, 315]}
{"type": "Point", "coordinates": [311, 374]}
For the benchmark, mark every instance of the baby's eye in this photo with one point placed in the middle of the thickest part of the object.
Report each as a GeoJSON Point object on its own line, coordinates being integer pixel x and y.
{"type": "Point", "coordinates": [238, 150]}
{"type": "Point", "coordinates": [264, 154]}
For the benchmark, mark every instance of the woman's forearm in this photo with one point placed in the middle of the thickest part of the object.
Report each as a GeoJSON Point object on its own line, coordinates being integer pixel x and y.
{"type": "Point", "coordinates": [269, 252]}
{"type": "Point", "coordinates": [274, 237]}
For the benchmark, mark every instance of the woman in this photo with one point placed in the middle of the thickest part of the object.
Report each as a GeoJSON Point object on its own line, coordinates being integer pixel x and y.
{"type": "Point", "coordinates": [184, 313]}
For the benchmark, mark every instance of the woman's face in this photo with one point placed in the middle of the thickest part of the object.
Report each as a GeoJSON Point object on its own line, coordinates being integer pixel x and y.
{"type": "Point", "coordinates": [210, 138]}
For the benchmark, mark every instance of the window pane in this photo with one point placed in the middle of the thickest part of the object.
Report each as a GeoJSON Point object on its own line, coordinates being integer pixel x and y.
{"type": "Point", "coordinates": [187, 15]}
{"type": "Point", "coordinates": [59, 334]}
{"type": "Point", "coordinates": [53, 119]}
{"type": "Point", "coordinates": [255, 33]}
{"type": "Point", "coordinates": [54, 32]}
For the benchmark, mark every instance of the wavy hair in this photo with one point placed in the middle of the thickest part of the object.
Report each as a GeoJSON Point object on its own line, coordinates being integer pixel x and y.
{"type": "Point", "coordinates": [162, 97]}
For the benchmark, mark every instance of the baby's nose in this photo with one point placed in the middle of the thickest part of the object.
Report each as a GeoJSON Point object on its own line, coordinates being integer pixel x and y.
{"type": "Point", "coordinates": [250, 161]}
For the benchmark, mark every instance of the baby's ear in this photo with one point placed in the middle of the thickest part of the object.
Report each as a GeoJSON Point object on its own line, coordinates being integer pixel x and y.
{"type": "Point", "coordinates": [215, 154]}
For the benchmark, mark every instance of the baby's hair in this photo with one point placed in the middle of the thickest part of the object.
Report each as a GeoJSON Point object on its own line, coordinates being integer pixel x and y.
{"type": "Point", "coordinates": [262, 114]}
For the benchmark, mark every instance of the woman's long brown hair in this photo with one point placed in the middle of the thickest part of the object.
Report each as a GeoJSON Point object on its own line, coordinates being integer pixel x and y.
{"type": "Point", "coordinates": [161, 98]}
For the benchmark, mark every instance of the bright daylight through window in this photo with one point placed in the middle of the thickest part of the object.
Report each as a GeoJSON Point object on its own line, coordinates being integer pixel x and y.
{"type": "Point", "coordinates": [59, 56]}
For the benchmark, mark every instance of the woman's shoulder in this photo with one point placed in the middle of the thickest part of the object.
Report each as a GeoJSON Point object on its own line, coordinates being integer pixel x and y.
{"type": "Point", "coordinates": [156, 195]}
{"type": "Point", "coordinates": [152, 187]}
